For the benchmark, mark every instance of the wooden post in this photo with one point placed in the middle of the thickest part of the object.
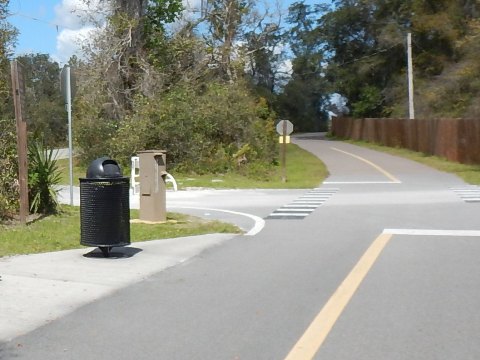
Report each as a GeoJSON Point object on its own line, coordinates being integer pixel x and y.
{"type": "Point", "coordinates": [18, 88]}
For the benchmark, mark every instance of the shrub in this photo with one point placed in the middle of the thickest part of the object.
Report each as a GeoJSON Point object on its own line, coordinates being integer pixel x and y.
{"type": "Point", "coordinates": [9, 169]}
{"type": "Point", "coordinates": [369, 104]}
{"type": "Point", "coordinates": [43, 176]}
{"type": "Point", "coordinates": [213, 129]}
{"type": "Point", "coordinates": [94, 138]}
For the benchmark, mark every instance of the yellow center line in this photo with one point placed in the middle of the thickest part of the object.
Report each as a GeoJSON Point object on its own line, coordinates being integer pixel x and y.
{"type": "Point", "coordinates": [383, 171]}
{"type": "Point", "coordinates": [313, 338]}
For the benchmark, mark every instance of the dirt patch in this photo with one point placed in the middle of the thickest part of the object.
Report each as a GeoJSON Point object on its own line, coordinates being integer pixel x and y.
{"type": "Point", "coordinates": [15, 221]}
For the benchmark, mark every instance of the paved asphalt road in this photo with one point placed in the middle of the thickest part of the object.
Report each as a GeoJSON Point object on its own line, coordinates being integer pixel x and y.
{"type": "Point", "coordinates": [61, 153]}
{"type": "Point", "coordinates": [380, 262]}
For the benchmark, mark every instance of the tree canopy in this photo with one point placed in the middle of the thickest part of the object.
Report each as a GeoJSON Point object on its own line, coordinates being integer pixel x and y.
{"type": "Point", "coordinates": [366, 46]}
{"type": "Point", "coordinates": [8, 151]}
{"type": "Point", "coordinates": [289, 67]}
{"type": "Point", "coordinates": [209, 86]}
{"type": "Point", "coordinates": [144, 86]}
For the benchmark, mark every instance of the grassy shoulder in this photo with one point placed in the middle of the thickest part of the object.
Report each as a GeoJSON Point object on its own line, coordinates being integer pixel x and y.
{"type": "Point", "coordinates": [304, 170]}
{"type": "Point", "coordinates": [62, 231]}
{"type": "Point", "coordinates": [469, 173]}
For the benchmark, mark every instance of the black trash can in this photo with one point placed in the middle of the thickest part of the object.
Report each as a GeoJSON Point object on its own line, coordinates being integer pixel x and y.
{"type": "Point", "coordinates": [104, 206]}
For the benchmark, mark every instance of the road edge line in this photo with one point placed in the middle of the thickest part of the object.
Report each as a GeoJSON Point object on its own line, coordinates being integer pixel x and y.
{"type": "Point", "coordinates": [375, 166]}
{"type": "Point", "coordinates": [259, 222]}
{"type": "Point", "coordinates": [316, 333]}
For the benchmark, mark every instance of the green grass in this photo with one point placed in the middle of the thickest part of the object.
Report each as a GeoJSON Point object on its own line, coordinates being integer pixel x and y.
{"type": "Point", "coordinates": [469, 173]}
{"type": "Point", "coordinates": [62, 232]}
{"type": "Point", "coordinates": [304, 170]}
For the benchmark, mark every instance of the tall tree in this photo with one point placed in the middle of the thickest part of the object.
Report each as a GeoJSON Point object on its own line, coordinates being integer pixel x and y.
{"type": "Point", "coordinates": [119, 54]}
{"type": "Point", "coordinates": [365, 41]}
{"type": "Point", "coordinates": [304, 97]}
{"type": "Point", "coordinates": [264, 54]}
{"type": "Point", "coordinates": [45, 106]}
{"type": "Point", "coordinates": [8, 151]}
{"type": "Point", "coordinates": [351, 37]}
{"type": "Point", "coordinates": [225, 19]}
{"type": "Point", "coordinates": [8, 36]}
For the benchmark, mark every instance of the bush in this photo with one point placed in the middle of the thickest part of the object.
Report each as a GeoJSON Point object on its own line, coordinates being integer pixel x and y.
{"type": "Point", "coordinates": [9, 165]}
{"type": "Point", "coordinates": [212, 129]}
{"type": "Point", "coordinates": [369, 104]}
{"type": "Point", "coordinates": [94, 138]}
{"type": "Point", "coordinates": [43, 176]}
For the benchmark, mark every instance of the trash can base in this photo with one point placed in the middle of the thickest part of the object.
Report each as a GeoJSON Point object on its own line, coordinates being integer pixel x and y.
{"type": "Point", "coordinates": [106, 250]}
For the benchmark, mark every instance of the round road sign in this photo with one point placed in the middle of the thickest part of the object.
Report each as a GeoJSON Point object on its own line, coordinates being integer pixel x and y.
{"type": "Point", "coordinates": [284, 124]}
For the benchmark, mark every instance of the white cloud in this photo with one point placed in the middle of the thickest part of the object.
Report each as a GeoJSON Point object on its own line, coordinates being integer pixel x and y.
{"type": "Point", "coordinates": [77, 21]}
{"type": "Point", "coordinates": [192, 4]}
{"type": "Point", "coordinates": [69, 42]}
{"type": "Point", "coordinates": [76, 14]}
{"type": "Point", "coordinates": [285, 68]}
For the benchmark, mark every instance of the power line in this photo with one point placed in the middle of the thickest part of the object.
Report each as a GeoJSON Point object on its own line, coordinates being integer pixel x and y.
{"type": "Point", "coordinates": [371, 55]}
{"type": "Point", "coordinates": [354, 60]}
{"type": "Point", "coordinates": [57, 26]}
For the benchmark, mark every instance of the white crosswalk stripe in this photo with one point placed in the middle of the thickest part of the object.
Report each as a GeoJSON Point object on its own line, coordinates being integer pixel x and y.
{"type": "Point", "coordinates": [304, 205]}
{"type": "Point", "coordinates": [468, 194]}
{"type": "Point", "coordinates": [301, 206]}
{"type": "Point", "coordinates": [303, 210]}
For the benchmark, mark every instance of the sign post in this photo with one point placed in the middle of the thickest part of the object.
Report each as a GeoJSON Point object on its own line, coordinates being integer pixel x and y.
{"type": "Point", "coordinates": [66, 87]}
{"type": "Point", "coordinates": [18, 88]}
{"type": "Point", "coordinates": [284, 129]}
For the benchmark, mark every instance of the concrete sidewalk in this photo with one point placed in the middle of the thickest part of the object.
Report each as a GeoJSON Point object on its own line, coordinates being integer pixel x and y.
{"type": "Point", "coordinates": [37, 289]}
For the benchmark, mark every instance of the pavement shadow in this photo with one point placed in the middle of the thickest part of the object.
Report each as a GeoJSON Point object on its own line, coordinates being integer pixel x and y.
{"type": "Point", "coordinates": [115, 253]}
{"type": "Point", "coordinates": [312, 136]}
{"type": "Point", "coordinates": [7, 351]}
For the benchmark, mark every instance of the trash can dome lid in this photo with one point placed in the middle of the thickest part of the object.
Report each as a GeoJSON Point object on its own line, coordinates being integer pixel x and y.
{"type": "Point", "coordinates": [104, 167]}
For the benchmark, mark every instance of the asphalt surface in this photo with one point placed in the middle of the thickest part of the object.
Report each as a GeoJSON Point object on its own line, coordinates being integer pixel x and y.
{"type": "Point", "coordinates": [62, 153]}
{"type": "Point", "coordinates": [391, 254]}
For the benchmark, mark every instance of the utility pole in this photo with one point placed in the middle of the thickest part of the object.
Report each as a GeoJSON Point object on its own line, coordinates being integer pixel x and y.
{"type": "Point", "coordinates": [411, 110]}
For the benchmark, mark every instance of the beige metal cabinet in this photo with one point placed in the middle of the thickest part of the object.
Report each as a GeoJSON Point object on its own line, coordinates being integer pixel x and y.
{"type": "Point", "coordinates": [153, 170]}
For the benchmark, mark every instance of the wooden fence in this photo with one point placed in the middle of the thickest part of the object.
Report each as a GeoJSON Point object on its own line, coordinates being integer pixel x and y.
{"type": "Point", "coordinates": [455, 139]}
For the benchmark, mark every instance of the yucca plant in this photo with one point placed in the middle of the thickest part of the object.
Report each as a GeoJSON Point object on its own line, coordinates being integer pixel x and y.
{"type": "Point", "coordinates": [43, 176]}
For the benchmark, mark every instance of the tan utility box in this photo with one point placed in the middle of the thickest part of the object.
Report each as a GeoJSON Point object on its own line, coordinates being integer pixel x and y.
{"type": "Point", "coordinates": [153, 170]}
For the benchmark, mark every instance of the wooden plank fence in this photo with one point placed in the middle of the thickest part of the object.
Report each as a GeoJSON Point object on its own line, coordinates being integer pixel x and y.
{"type": "Point", "coordinates": [454, 139]}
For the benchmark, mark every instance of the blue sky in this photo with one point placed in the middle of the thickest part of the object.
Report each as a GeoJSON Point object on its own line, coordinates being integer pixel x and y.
{"type": "Point", "coordinates": [50, 26]}
{"type": "Point", "coordinates": [53, 27]}
{"type": "Point", "coordinates": [35, 35]}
